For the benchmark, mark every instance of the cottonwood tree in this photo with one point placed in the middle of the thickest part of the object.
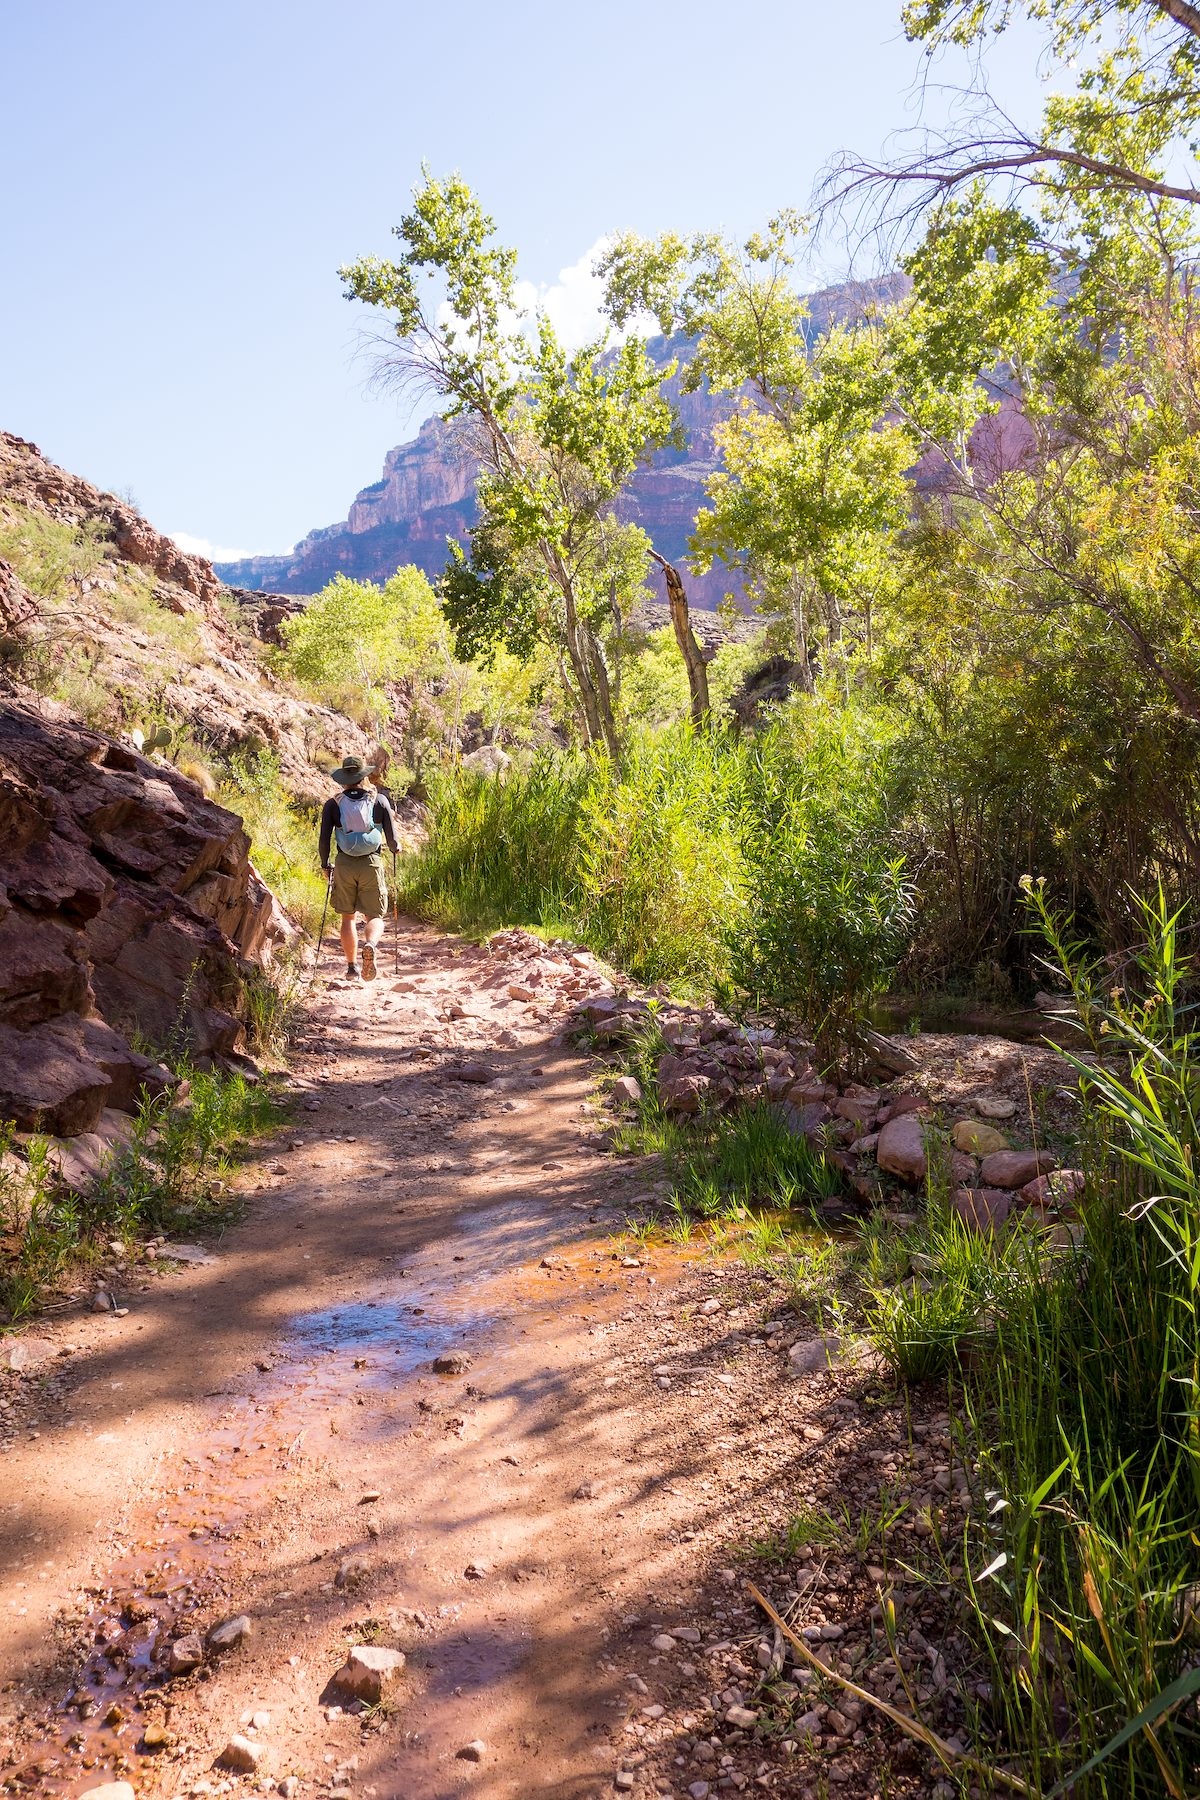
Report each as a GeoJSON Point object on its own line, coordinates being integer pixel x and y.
{"type": "Point", "coordinates": [812, 482]}
{"type": "Point", "coordinates": [1086, 520]}
{"type": "Point", "coordinates": [1127, 127]}
{"type": "Point", "coordinates": [557, 435]}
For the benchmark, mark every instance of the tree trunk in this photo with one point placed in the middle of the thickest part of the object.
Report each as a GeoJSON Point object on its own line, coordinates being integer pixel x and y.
{"type": "Point", "coordinates": [587, 664]}
{"type": "Point", "coordinates": [603, 692]}
{"type": "Point", "coordinates": [685, 637]}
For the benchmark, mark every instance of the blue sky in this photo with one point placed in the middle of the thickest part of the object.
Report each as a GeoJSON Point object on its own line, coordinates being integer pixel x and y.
{"type": "Point", "coordinates": [183, 181]}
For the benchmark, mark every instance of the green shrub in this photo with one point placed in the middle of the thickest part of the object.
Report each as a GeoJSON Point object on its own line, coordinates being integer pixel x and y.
{"type": "Point", "coordinates": [354, 638]}
{"type": "Point", "coordinates": [51, 557]}
{"type": "Point", "coordinates": [175, 1169]}
{"type": "Point", "coordinates": [832, 902]}
{"type": "Point", "coordinates": [174, 1172]}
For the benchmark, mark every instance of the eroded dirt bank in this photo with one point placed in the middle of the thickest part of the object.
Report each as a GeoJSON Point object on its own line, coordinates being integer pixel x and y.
{"type": "Point", "coordinates": [264, 1434]}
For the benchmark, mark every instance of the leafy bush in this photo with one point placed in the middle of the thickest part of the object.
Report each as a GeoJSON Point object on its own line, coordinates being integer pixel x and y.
{"type": "Point", "coordinates": [652, 861]}
{"type": "Point", "coordinates": [51, 557]}
{"type": "Point", "coordinates": [354, 638]}
{"type": "Point", "coordinates": [660, 857]}
{"type": "Point", "coordinates": [832, 903]}
{"type": "Point", "coordinates": [176, 1167]}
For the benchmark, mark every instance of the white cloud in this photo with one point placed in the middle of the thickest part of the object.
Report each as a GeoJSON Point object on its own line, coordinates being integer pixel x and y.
{"type": "Point", "coordinates": [572, 303]}
{"type": "Point", "coordinates": [198, 546]}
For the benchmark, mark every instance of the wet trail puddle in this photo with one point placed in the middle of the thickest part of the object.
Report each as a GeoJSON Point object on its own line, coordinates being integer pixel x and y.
{"type": "Point", "coordinates": [184, 1564]}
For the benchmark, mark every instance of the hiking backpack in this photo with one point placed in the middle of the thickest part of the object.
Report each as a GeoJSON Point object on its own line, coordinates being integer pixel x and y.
{"type": "Point", "coordinates": [357, 833]}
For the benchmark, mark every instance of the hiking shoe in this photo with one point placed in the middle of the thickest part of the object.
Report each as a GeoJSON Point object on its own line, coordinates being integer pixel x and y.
{"type": "Point", "coordinates": [352, 973]}
{"type": "Point", "coordinates": [368, 962]}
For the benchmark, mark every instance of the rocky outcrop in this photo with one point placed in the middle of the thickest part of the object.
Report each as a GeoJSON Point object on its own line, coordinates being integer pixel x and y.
{"type": "Point", "coordinates": [27, 478]}
{"type": "Point", "coordinates": [202, 669]}
{"type": "Point", "coordinates": [128, 909]}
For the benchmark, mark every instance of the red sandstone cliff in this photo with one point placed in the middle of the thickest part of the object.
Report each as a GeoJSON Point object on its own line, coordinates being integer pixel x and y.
{"type": "Point", "coordinates": [426, 494]}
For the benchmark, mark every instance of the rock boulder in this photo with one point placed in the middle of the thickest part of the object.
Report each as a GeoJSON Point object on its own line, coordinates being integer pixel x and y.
{"type": "Point", "coordinates": [1015, 1168]}
{"type": "Point", "coordinates": [901, 1148]}
{"type": "Point", "coordinates": [127, 903]}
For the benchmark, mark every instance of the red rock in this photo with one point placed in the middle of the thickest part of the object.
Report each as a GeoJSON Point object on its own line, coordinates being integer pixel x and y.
{"type": "Point", "coordinates": [48, 1082]}
{"type": "Point", "coordinates": [474, 1072]}
{"type": "Point", "coordinates": [1062, 1186]}
{"type": "Point", "coordinates": [904, 1103]}
{"type": "Point", "coordinates": [804, 1121]}
{"type": "Point", "coordinates": [126, 896]}
{"type": "Point", "coordinates": [810, 1092]}
{"type": "Point", "coordinates": [602, 1008]}
{"type": "Point", "coordinates": [683, 1094]}
{"type": "Point", "coordinates": [984, 1208]}
{"type": "Point", "coordinates": [862, 1111]}
{"type": "Point", "coordinates": [901, 1148]}
{"type": "Point", "coordinates": [1014, 1168]}
{"type": "Point", "coordinates": [42, 969]}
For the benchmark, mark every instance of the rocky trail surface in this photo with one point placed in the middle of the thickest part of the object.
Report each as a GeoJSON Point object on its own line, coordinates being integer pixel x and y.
{"type": "Point", "coordinates": [458, 1468]}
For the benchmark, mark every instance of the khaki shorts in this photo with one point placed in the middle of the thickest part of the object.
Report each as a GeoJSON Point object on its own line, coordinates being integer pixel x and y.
{"type": "Point", "coordinates": [359, 886]}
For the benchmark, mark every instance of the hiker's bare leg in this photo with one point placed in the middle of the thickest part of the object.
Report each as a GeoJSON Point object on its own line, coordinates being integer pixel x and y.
{"type": "Point", "coordinates": [373, 931]}
{"type": "Point", "coordinates": [349, 932]}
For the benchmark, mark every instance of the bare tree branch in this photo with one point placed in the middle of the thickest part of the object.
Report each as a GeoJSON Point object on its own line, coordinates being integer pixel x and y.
{"type": "Point", "coordinates": [1185, 16]}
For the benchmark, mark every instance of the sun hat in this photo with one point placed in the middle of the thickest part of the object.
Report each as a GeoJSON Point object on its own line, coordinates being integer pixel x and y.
{"type": "Point", "coordinates": [352, 772]}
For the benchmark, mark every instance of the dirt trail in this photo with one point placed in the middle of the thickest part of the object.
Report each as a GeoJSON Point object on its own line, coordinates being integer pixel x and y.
{"type": "Point", "coordinates": [263, 1433]}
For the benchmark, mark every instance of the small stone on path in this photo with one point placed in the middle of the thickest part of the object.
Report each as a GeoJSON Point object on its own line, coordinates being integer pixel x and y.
{"type": "Point", "coordinates": [812, 1355]}
{"type": "Point", "coordinates": [369, 1672]}
{"type": "Point", "coordinates": [243, 1756]}
{"type": "Point", "coordinates": [475, 1751]}
{"type": "Point", "coordinates": [185, 1654]}
{"type": "Point", "coordinates": [353, 1571]}
{"type": "Point", "coordinates": [230, 1632]}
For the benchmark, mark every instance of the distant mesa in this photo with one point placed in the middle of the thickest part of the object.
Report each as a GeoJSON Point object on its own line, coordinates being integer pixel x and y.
{"type": "Point", "coordinates": [427, 492]}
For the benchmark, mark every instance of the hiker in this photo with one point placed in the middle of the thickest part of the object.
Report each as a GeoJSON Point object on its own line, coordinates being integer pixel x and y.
{"type": "Point", "coordinates": [359, 820]}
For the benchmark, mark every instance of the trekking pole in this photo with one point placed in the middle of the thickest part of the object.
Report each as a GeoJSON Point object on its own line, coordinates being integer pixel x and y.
{"type": "Point", "coordinates": [321, 933]}
{"type": "Point", "coordinates": [395, 912]}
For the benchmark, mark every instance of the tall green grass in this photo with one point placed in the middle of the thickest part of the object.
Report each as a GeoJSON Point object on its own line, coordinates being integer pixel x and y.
{"type": "Point", "coordinates": [1077, 1365]}
{"type": "Point", "coordinates": [652, 861]}
{"type": "Point", "coordinates": [643, 862]}
{"type": "Point", "coordinates": [501, 852]}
